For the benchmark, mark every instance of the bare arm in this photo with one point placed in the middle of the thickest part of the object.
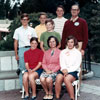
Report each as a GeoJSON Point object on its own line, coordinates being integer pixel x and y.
{"type": "Point", "coordinates": [15, 49]}
{"type": "Point", "coordinates": [41, 46]}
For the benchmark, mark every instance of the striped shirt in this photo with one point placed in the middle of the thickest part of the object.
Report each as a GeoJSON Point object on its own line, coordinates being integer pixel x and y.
{"type": "Point", "coordinates": [59, 24]}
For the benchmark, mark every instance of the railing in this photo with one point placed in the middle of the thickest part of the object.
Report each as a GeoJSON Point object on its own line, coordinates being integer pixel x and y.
{"type": "Point", "coordinates": [86, 65]}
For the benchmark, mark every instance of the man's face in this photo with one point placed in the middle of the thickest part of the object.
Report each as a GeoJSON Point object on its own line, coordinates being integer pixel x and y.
{"type": "Point", "coordinates": [60, 12]}
{"type": "Point", "coordinates": [75, 11]}
{"type": "Point", "coordinates": [42, 19]}
{"type": "Point", "coordinates": [25, 21]}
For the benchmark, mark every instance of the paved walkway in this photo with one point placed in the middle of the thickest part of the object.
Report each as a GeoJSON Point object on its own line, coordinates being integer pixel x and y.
{"type": "Point", "coordinates": [90, 89]}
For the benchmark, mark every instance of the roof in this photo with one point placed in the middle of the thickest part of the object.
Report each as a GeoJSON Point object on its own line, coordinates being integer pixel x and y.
{"type": "Point", "coordinates": [4, 28]}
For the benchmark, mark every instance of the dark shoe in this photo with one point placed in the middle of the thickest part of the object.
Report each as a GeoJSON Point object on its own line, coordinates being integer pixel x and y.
{"type": "Point", "coordinates": [26, 98]}
{"type": "Point", "coordinates": [57, 99]}
{"type": "Point", "coordinates": [33, 98]}
{"type": "Point", "coordinates": [71, 99]}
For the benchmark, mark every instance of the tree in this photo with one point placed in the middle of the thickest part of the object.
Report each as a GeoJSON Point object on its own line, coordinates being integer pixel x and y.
{"type": "Point", "coordinates": [2, 9]}
{"type": "Point", "coordinates": [7, 8]}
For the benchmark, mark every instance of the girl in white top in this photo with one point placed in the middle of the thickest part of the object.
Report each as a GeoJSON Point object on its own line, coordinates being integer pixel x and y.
{"type": "Point", "coordinates": [70, 61]}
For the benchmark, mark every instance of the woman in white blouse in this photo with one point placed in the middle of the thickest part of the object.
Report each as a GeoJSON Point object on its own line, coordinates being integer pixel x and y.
{"type": "Point", "coordinates": [70, 61]}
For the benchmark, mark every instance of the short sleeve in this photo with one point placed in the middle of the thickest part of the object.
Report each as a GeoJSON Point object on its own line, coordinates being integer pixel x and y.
{"type": "Point", "coordinates": [42, 37]}
{"type": "Point", "coordinates": [41, 56]}
{"type": "Point", "coordinates": [15, 36]}
{"type": "Point", "coordinates": [58, 37]}
{"type": "Point", "coordinates": [25, 57]}
{"type": "Point", "coordinates": [34, 33]}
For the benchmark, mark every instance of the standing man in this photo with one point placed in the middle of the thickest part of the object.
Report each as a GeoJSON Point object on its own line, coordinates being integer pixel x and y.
{"type": "Point", "coordinates": [22, 36]}
{"type": "Point", "coordinates": [77, 27]}
{"type": "Point", "coordinates": [41, 27]}
{"type": "Point", "coordinates": [60, 20]}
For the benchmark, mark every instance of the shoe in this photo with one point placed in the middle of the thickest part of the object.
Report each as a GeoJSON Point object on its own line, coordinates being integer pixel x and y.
{"type": "Point", "coordinates": [46, 97]}
{"type": "Point", "coordinates": [71, 99]}
{"type": "Point", "coordinates": [57, 99]}
{"type": "Point", "coordinates": [26, 98]}
{"type": "Point", "coordinates": [33, 98]}
{"type": "Point", "coordinates": [50, 96]}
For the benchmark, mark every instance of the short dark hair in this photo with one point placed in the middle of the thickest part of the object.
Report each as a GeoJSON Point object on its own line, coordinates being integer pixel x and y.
{"type": "Point", "coordinates": [49, 20]}
{"type": "Point", "coordinates": [24, 15]}
{"type": "Point", "coordinates": [60, 6]}
{"type": "Point", "coordinates": [42, 13]}
{"type": "Point", "coordinates": [75, 4]}
{"type": "Point", "coordinates": [34, 39]}
{"type": "Point", "coordinates": [49, 38]}
{"type": "Point", "coordinates": [75, 40]}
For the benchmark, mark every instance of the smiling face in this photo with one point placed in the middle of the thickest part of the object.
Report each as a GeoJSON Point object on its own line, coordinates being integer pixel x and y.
{"type": "Point", "coordinates": [25, 21]}
{"type": "Point", "coordinates": [52, 43]}
{"type": "Point", "coordinates": [60, 12]}
{"type": "Point", "coordinates": [70, 44]}
{"type": "Point", "coordinates": [49, 26]}
{"type": "Point", "coordinates": [34, 44]}
{"type": "Point", "coordinates": [75, 10]}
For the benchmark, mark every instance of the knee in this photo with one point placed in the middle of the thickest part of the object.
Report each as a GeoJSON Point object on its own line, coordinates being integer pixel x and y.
{"type": "Point", "coordinates": [66, 80]}
{"type": "Point", "coordinates": [25, 77]}
{"type": "Point", "coordinates": [59, 79]}
{"type": "Point", "coordinates": [31, 77]}
{"type": "Point", "coordinates": [42, 79]}
{"type": "Point", "coordinates": [49, 80]}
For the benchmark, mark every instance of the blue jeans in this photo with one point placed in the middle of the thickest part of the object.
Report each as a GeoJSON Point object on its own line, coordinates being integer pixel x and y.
{"type": "Point", "coordinates": [21, 63]}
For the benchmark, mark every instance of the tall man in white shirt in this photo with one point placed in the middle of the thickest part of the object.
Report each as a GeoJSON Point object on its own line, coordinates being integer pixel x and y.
{"type": "Point", "coordinates": [60, 20]}
{"type": "Point", "coordinates": [22, 36]}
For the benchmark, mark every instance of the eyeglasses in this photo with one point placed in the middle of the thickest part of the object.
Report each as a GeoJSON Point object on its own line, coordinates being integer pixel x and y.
{"type": "Point", "coordinates": [75, 9]}
{"type": "Point", "coordinates": [25, 19]}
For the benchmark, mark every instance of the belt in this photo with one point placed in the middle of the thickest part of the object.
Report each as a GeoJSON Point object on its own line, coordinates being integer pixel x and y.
{"type": "Point", "coordinates": [27, 46]}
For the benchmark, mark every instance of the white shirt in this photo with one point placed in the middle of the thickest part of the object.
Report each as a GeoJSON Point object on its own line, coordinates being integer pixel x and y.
{"type": "Point", "coordinates": [70, 59]}
{"type": "Point", "coordinates": [23, 35]}
{"type": "Point", "coordinates": [59, 24]}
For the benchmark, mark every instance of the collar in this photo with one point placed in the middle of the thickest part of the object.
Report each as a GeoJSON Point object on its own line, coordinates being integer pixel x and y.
{"type": "Point", "coordinates": [26, 27]}
{"type": "Point", "coordinates": [70, 49]}
{"type": "Point", "coordinates": [42, 24]}
{"type": "Point", "coordinates": [73, 20]}
{"type": "Point", "coordinates": [60, 18]}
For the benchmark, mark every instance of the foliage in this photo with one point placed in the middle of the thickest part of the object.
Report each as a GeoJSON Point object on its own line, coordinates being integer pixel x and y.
{"type": "Point", "coordinates": [4, 8]}
{"type": "Point", "coordinates": [31, 6]}
{"type": "Point", "coordinates": [8, 44]}
{"type": "Point", "coordinates": [89, 11]}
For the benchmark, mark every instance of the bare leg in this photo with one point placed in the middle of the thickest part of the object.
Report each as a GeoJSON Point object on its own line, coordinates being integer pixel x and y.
{"type": "Point", "coordinates": [32, 78]}
{"type": "Point", "coordinates": [49, 82]}
{"type": "Point", "coordinates": [25, 82]}
{"type": "Point", "coordinates": [58, 84]}
{"type": "Point", "coordinates": [68, 82]}
{"type": "Point", "coordinates": [44, 84]}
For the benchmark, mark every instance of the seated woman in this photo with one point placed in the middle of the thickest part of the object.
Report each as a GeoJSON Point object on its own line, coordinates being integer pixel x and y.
{"type": "Point", "coordinates": [70, 61]}
{"type": "Point", "coordinates": [50, 65]}
{"type": "Point", "coordinates": [33, 58]}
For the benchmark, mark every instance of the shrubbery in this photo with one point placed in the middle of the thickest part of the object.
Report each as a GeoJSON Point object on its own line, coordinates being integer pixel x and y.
{"type": "Point", "coordinates": [90, 12]}
{"type": "Point", "coordinates": [8, 43]}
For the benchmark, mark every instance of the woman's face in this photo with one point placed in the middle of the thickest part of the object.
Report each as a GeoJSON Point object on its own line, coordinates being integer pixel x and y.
{"type": "Point", "coordinates": [49, 26]}
{"type": "Point", "coordinates": [70, 44]}
{"type": "Point", "coordinates": [34, 44]}
{"type": "Point", "coordinates": [52, 43]}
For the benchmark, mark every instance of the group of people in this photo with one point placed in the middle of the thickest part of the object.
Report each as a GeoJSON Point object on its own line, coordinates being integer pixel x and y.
{"type": "Point", "coordinates": [39, 51]}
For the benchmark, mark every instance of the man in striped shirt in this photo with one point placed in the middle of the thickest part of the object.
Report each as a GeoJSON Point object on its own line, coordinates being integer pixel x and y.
{"type": "Point", "coordinates": [60, 20]}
